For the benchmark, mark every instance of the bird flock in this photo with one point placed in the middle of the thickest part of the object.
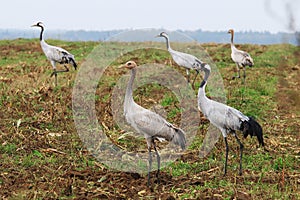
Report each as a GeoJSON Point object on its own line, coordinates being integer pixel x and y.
{"type": "Point", "coordinates": [153, 126]}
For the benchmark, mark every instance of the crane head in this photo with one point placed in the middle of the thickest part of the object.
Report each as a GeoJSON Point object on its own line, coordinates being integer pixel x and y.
{"type": "Point", "coordinates": [231, 31]}
{"type": "Point", "coordinates": [129, 65]}
{"type": "Point", "coordinates": [162, 34]}
{"type": "Point", "coordinates": [39, 24]}
{"type": "Point", "coordinates": [202, 66]}
{"type": "Point", "coordinates": [205, 67]}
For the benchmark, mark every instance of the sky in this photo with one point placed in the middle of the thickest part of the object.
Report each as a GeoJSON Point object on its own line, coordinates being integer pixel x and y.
{"type": "Point", "coordinates": [210, 15]}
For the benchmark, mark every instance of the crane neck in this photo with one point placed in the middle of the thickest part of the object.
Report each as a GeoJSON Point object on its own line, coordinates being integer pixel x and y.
{"type": "Point", "coordinates": [41, 34]}
{"type": "Point", "coordinates": [204, 82]}
{"type": "Point", "coordinates": [201, 95]}
{"type": "Point", "coordinates": [207, 73]}
{"type": "Point", "coordinates": [129, 92]}
{"type": "Point", "coordinates": [232, 35]}
{"type": "Point", "coordinates": [167, 42]}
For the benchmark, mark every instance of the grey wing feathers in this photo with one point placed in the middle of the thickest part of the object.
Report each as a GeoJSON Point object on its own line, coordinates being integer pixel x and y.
{"type": "Point", "coordinates": [68, 58]}
{"type": "Point", "coordinates": [236, 113]}
{"type": "Point", "coordinates": [62, 56]}
{"type": "Point", "coordinates": [179, 137]}
{"type": "Point", "coordinates": [234, 118]}
{"type": "Point", "coordinates": [150, 123]}
{"type": "Point", "coordinates": [247, 57]}
{"type": "Point", "coordinates": [185, 60]}
{"type": "Point", "coordinates": [243, 53]}
{"type": "Point", "coordinates": [62, 53]}
{"type": "Point", "coordinates": [153, 125]}
{"type": "Point", "coordinates": [243, 57]}
{"type": "Point", "coordinates": [58, 54]}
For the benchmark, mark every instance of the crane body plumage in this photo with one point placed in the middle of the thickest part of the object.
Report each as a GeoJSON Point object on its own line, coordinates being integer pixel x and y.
{"type": "Point", "coordinates": [227, 119]}
{"type": "Point", "coordinates": [241, 58]}
{"type": "Point", "coordinates": [188, 61]}
{"type": "Point", "coordinates": [152, 125]}
{"type": "Point", "coordinates": [148, 123]}
{"type": "Point", "coordinates": [55, 54]}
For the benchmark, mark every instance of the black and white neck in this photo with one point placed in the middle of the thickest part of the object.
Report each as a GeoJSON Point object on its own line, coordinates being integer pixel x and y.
{"type": "Point", "coordinates": [203, 101]}
{"type": "Point", "coordinates": [167, 42]}
{"type": "Point", "coordinates": [42, 31]}
{"type": "Point", "coordinates": [206, 75]}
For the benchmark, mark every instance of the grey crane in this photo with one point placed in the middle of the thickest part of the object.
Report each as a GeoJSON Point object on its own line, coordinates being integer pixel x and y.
{"type": "Point", "coordinates": [227, 119]}
{"type": "Point", "coordinates": [183, 59]}
{"type": "Point", "coordinates": [150, 124]}
{"type": "Point", "coordinates": [55, 54]}
{"type": "Point", "coordinates": [241, 58]}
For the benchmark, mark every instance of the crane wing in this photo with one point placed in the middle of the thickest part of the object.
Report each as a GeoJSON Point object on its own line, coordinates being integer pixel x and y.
{"type": "Point", "coordinates": [186, 60]}
{"type": "Point", "coordinates": [243, 53]}
{"type": "Point", "coordinates": [234, 118]}
{"type": "Point", "coordinates": [60, 53]}
{"type": "Point", "coordinates": [242, 57]}
{"type": "Point", "coordinates": [234, 113]}
{"type": "Point", "coordinates": [150, 123]}
{"type": "Point", "coordinates": [56, 54]}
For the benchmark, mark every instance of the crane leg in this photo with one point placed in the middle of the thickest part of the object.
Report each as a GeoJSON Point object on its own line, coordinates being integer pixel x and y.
{"type": "Point", "coordinates": [150, 165]}
{"type": "Point", "coordinates": [55, 75]}
{"type": "Point", "coordinates": [241, 153]}
{"type": "Point", "coordinates": [58, 71]}
{"type": "Point", "coordinates": [158, 162]}
{"type": "Point", "coordinates": [238, 71]}
{"type": "Point", "coordinates": [244, 69]}
{"type": "Point", "coordinates": [226, 156]}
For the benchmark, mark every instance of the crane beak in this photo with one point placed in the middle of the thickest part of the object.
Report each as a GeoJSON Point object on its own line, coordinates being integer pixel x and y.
{"type": "Point", "coordinates": [33, 25]}
{"type": "Point", "coordinates": [157, 36]}
{"type": "Point", "coordinates": [122, 66]}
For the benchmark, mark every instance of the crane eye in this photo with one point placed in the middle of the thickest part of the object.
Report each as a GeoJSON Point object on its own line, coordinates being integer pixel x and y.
{"type": "Point", "coordinates": [129, 64]}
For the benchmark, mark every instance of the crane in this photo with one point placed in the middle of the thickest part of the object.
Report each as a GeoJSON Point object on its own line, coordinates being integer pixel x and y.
{"type": "Point", "coordinates": [183, 59]}
{"type": "Point", "coordinates": [227, 119]}
{"type": "Point", "coordinates": [150, 124]}
{"type": "Point", "coordinates": [55, 54]}
{"type": "Point", "coordinates": [241, 58]}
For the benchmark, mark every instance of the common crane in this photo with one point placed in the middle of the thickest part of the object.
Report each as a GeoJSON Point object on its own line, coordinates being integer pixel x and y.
{"type": "Point", "coordinates": [227, 119]}
{"type": "Point", "coordinates": [151, 125]}
{"type": "Point", "coordinates": [183, 59]}
{"type": "Point", "coordinates": [241, 58]}
{"type": "Point", "coordinates": [55, 54]}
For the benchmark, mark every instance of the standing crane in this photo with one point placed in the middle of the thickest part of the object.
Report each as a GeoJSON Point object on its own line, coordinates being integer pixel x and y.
{"type": "Point", "coordinates": [55, 54]}
{"type": "Point", "coordinates": [241, 58]}
{"type": "Point", "coordinates": [227, 119]}
{"type": "Point", "coordinates": [150, 124]}
{"type": "Point", "coordinates": [183, 59]}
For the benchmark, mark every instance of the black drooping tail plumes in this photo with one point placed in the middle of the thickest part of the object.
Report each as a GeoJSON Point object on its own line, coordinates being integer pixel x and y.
{"type": "Point", "coordinates": [249, 63]}
{"type": "Point", "coordinates": [72, 61]}
{"type": "Point", "coordinates": [253, 128]}
{"type": "Point", "coordinates": [67, 58]}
